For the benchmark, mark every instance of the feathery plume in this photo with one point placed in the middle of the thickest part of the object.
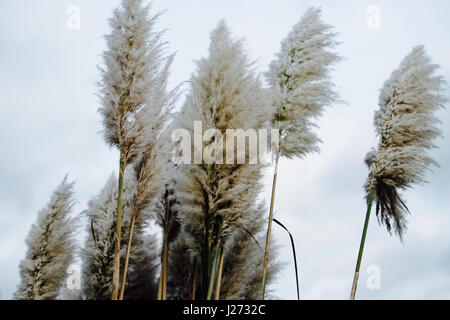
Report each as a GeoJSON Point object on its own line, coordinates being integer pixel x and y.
{"type": "Point", "coordinates": [214, 198]}
{"type": "Point", "coordinates": [50, 248]}
{"type": "Point", "coordinates": [132, 70]}
{"type": "Point", "coordinates": [167, 218]}
{"type": "Point", "coordinates": [299, 79]}
{"type": "Point", "coordinates": [98, 253]}
{"type": "Point", "coordinates": [151, 164]}
{"type": "Point", "coordinates": [300, 84]}
{"type": "Point", "coordinates": [407, 127]}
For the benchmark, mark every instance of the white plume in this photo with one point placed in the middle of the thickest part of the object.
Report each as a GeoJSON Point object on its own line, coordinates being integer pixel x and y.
{"type": "Point", "coordinates": [225, 94]}
{"type": "Point", "coordinates": [407, 127]}
{"type": "Point", "coordinates": [133, 78]}
{"type": "Point", "coordinates": [98, 253]}
{"type": "Point", "coordinates": [300, 83]}
{"type": "Point", "coordinates": [50, 248]}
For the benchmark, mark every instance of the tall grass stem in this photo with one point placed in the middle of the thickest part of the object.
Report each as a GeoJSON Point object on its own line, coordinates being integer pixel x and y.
{"type": "Point", "coordinates": [363, 240]}
{"type": "Point", "coordinates": [269, 228]}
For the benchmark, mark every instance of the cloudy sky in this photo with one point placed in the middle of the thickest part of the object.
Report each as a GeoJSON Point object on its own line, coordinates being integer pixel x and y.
{"type": "Point", "coordinates": [49, 126]}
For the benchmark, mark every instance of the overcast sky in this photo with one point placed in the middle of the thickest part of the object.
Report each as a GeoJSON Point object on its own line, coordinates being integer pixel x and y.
{"type": "Point", "coordinates": [49, 126]}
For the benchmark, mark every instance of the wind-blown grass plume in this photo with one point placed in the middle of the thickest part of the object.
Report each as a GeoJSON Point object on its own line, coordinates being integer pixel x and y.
{"type": "Point", "coordinates": [98, 253]}
{"type": "Point", "coordinates": [300, 83]}
{"type": "Point", "coordinates": [50, 248]}
{"type": "Point", "coordinates": [132, 67]}
{"type": "Point", "coordinates": [167, 218]}
{"type": "Point", "coordinates": [215, 197]}
{"type": "Point", "coordinates": [151, 164]}
{"type": "Point", "coordinates": [149, 175]}
{"type": "Point", "coordinates": [407, 127]}
{"type": "Point", "coordinates": [165, 211]}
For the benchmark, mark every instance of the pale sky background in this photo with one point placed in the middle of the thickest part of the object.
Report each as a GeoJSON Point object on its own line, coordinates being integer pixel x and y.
{"type": "Point", "coordinates": [49, 126]}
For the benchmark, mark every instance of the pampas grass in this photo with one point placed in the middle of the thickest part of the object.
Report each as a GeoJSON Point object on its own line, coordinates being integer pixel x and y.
{"type": "Point", "coordinates": [300, 85]}
{"type": "Point", "coordinates": [132, 68]}
{"type": "Point", "coordinates": [151, 165]}
{"type": "Point", "coordinates": [215, 198]}
{"type": "Point", "coordinates": [50, 248]}
{"type": "Point", "coordinates": [98, 252]}
{"type": "Point", "coordinates": [407, 127]}
{"type": "Point", "coordinates": [167, 218]}
{"type": "Point", "coordinates": [212, 225]}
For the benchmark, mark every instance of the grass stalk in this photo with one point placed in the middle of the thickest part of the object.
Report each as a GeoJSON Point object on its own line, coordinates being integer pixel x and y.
{"type": "Point", "coordinates": [219, 274]}
{"type": "Point", "coordinates": [294, 255]}
{"type": "Point", "coordinates": [194, 280]}
{"type": "Point", "coordinates": [206, 262]}
{"type": "Point", "coordinates": [160, 283]}
{"type": "Point", "coordinates": [269, 228]}
{"type": "Point", "coordinates": [162, 290]}
{"type": "Point", "coordinates": [165, 267]}
{"type": "Point", "coordinates": [116, 273]}
{"type": "Point", "coordinates": [213, 270]}
{"type": "Point", "coordinates": [363, 240]}
{"type": "Point", "coordinates": [127, 256]}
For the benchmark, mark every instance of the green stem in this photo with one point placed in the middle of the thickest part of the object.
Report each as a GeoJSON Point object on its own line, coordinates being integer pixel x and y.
{"type": "Point", "coordinates": [219, 274]}
{"type": "Point", "coordinates": [269, 228]}
{"type": "Point", "coordinates": [213, 270]}
{"type": "Point", "coordinates": [162, 289]}
{"type": "Point", "coordinates": [165, 267]}
{"type": "Point", "coordinates": [116, 273]}
{"type": "Point", "coordinates": [160, 283]}
{"type": "Point", "coordinates": [206, 254]}
{"type": "Point", "coordinates": [363, 240]}
{"type": "Point", "coordinates": [209, 253]}
{"type": "Point", "coordinates": [194, 279]}
{"type": "Point", "coordinates": [127, 256]}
